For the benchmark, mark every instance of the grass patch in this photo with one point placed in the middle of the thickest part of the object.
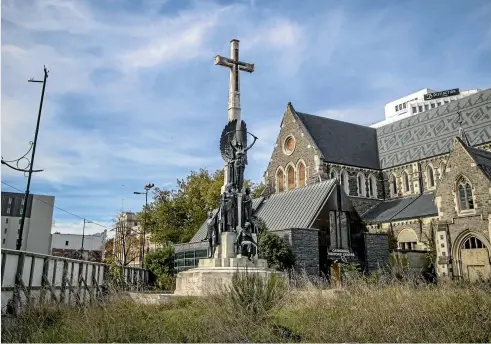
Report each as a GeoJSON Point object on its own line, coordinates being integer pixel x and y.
{"type": "Point", "coordinates": [255, 310]}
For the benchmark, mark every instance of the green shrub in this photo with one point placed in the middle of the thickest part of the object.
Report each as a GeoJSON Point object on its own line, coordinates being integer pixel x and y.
{"type": "Point", "coordinates": [275, 250]}
{"type": "Point", "coordinates": [161, 263]}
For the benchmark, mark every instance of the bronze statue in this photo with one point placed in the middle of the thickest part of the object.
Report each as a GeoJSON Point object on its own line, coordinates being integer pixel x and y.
{"type": "Point", "coordinates": [212, 234]}
{"type": "Point", "coordinates": [247, 206]}
{"type": "Point", "coordinates": [244, 241]}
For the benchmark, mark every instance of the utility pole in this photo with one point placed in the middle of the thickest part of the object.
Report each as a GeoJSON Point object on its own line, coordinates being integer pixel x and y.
{"type": "Point", "coordinates": [83, 237]}
{"type": "Point", "coordinates": [29, 175]}
{"type": "Point", "coordinates": [147, 188]}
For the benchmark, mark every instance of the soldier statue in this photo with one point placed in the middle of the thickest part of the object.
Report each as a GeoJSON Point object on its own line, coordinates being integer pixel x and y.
{"type": "Point", "coordinates": [212, 234]}
{"type": "Point", "coordinates": [228, 210]}
{"type": "Point", "coordinates": [244, 241]}
{"type": "Point", "coordinates": [247, 205]}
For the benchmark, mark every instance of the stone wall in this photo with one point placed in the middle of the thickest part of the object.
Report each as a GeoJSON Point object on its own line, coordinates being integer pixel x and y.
{"type": "Point", "coordinates": [304, 151]}
{"type": "Point", "coordinates": [305, 247]}
{"type": "Point", "coordinates": [376, 251]}
{"type": "Point", "coordinates": [454, 223]}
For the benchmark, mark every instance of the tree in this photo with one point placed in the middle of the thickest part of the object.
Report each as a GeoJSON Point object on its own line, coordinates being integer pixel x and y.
{"type": "Point", "coordinates": [161, 263]}
{"type": "Point", "coordinates": [127, 243]}
{"type": "Point", "coordinates": [274, 249]}
{"type": "Point", "coordinates": [109, 251]}
{"type": "Point", "coordinates": [174, 216]}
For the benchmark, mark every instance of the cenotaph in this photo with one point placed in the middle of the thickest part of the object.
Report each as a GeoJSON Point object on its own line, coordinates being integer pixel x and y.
{"type": "Point", "coordinates": [232, 230]}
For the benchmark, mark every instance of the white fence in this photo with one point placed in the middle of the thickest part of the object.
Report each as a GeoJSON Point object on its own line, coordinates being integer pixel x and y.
{"type": "Point", "coordinates": [37, 278]}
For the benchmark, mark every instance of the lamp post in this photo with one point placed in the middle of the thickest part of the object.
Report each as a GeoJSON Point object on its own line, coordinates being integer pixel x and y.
{"type": "Point", "coordinates": [29, 169]}
{"type": "Point", "coordinates": [147, 188]}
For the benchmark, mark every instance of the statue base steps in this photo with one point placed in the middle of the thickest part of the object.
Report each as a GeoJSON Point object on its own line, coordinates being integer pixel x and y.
{"type": "Point", "coordinates": [213, 274]}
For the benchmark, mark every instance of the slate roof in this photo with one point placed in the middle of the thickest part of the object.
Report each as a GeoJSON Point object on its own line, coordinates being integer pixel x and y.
{"type": "Point", "coordinates": [402, 208]}
{"type": "Point", "coordinates": [201, 233]}
{"type": "Point", "coordinates": [431, 133]}
{"type": "Point", "coordinates": [295, 208]}
{"type": "Point", "coordinates": [482, 159]}
{"type": "Point", "coordinates": [342, 142]}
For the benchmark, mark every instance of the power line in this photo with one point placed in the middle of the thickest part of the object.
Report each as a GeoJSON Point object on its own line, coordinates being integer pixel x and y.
{"type": "Point", "coordinates": [54, 206]}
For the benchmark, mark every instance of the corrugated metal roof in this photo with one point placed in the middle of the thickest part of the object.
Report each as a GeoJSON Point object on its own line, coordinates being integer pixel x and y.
{"type": "Point", "coordinates": [402, 208]}
{"type": "Point", "coordinates": [296, 208]}
{"type": "Point", "coordinates": [431, 132]}
{"type": "Point", "coordinates": [201, 233]}
{"type": "Point", "coordinates": [343, 142]}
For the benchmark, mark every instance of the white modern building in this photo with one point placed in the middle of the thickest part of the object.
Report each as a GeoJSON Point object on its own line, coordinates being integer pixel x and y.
{"type": "Point", "coordinates": [36, 236]}
{"type": "Point", "coordinates": [420, 101]}
{"type": "Point", "coordinates": [70, 245]}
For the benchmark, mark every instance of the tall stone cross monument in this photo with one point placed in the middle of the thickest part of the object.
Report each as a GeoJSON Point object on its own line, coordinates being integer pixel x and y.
{"type": "Point", "coordinates": [235, 66]}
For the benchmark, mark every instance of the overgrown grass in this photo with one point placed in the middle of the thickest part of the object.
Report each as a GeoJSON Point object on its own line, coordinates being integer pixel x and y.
{"type": "Point", "coordinates": [375, 309]}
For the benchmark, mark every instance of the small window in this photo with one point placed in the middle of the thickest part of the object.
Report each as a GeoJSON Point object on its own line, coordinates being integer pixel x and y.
{"type": "Point", "coordinates": [414, 109]}
{"type": "Point", "coordinates": [433, 105]}
{"type": "Point", "coordinates": [404, 105]}
{"type": "Point", "coordinates": [66, 243]}
{"type": "Point", "coordinates": [427, 107]}
{"type": "Point", "coordinates": [8, 210]}
{"type": "Point", "coordinates": [5, 231]}
{"type": "Point", "coordinates": [10, 200]}
{"type": "Point", "coordinates": [441, 236]}
{"type": "Point", "coordinates": [3, 241]}
{"type": "Point", "coordinates": [6, 220]}
{"type": "Point", "coordinates": [446, 101]}
{"type": "Point", "coordinates": [420, 108]}
{"type": "Point", "coordinates": [405, 181]}
{"type": "Point", "coordinates": [439, 103]}
{"type": "Point", "coordinates": [444, 253]}
{"type": "Point", "coordinates": [396, 108]}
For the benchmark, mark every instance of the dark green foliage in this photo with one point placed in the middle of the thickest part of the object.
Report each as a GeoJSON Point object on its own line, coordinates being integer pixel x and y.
{"type": "Point", "coordinates": [161, 263]}
{"type": "Point", "coordinates": [275, 250]}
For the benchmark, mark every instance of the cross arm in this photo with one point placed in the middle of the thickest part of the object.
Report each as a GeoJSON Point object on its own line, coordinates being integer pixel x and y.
{"type": "Point", "coordinates": [227, 62]}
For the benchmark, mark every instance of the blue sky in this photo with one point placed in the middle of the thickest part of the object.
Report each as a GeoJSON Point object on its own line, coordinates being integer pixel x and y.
{"type": "Point", "coordinates": [133, 95]}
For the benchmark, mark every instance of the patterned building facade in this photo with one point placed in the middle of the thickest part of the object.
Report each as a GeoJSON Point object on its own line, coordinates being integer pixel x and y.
{"type": "Point", "coordinates": [398, 176]}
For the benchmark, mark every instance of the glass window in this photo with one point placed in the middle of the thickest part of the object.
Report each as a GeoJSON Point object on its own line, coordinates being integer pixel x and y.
{"type": "Point", "coordinates": [439, 103]}
{"type": "Point", "coordinates": [66, 243]}
{"type": "Point", "coordinates": [433, 105]}
{"type": "Point", "coordinates": [8, 210]}
{"type": "Point", "coordinates": [414, 109]}
{"type": "Point", "coordinates": [291, 177]}
{"type": "Point", "coordinates": [5, 231]}
{"type": "Point", "coordinates": [404, 105]}
{"type": "Point", "coordinates": [393, 185]}
{"type": "Point", "coordinates": [6, 220]}
{"type": "Point", "coordinates": [301, 175]}
{"type": "Point", "coordinates": [465, 196]}
{"type": "Point", "coordinates": [420, 108]}
{"type": "Point", "coordinates": [426, 107]}
{"type": "Point", "coordinates": [446, 101]}
{"type": "Point", "coordinates": [431, 177]}
{"type": "Point", "coordinates": [10, 200]}
{"type": "Point", "coordinates": [396, 108]}
{"type": "Point", "coordinates": [3, 241]}
{"type": "Point", "coordinates": [280, 180]}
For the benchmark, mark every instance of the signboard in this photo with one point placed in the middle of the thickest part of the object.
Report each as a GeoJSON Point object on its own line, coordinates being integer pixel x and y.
{"type": "Point", "coordinates": [339, 254]}
{"type": "Point", "coordinates": [447, 93]}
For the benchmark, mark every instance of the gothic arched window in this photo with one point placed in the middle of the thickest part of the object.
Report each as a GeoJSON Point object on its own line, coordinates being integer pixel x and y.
{"type": "Point", "coordinates": [360, 178]}
{"type": "Point", "coordinates": [291, 177]}
{"type": "Point", "coordinates": [280, 181]}
{"type": "Point", "coordinates": [301, 174]}
{"type": "Point", "coordinates": [430, 176]}
{"type": "Point", "coordinates": [405, 181]}
{"type": "Point", "coordinates": [334, 174]}
{"type": "Point", "coordinates": [466, 202]}
{"type": "Point", "coordinates": [372, 186]}
{"type": "Point", "coordinates": [473, 243]}
{"type": "Point", "coordinates": [393, 185]}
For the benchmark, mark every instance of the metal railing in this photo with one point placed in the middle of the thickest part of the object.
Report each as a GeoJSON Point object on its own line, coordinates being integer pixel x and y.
{"type": "Point", "coordinates": [30, 278]}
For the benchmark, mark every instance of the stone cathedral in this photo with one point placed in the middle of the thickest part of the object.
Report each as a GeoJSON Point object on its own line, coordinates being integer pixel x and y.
{"type": "Point", "coordinates": [334, 186]}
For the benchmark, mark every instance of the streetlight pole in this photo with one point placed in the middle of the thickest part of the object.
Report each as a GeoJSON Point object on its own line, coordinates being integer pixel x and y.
{"type": "Point", "coordinates": [26, 196]}
{"type": "Point", "coordinates": [147, 188]}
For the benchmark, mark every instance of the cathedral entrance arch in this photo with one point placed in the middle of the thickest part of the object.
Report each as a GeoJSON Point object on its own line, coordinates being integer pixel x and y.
{"type": "Point", "coordinates": [472, 254]}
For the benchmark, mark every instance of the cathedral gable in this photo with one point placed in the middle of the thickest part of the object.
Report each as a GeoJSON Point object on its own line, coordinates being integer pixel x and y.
{"type": "Point", "coordinates": [295, 158]}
